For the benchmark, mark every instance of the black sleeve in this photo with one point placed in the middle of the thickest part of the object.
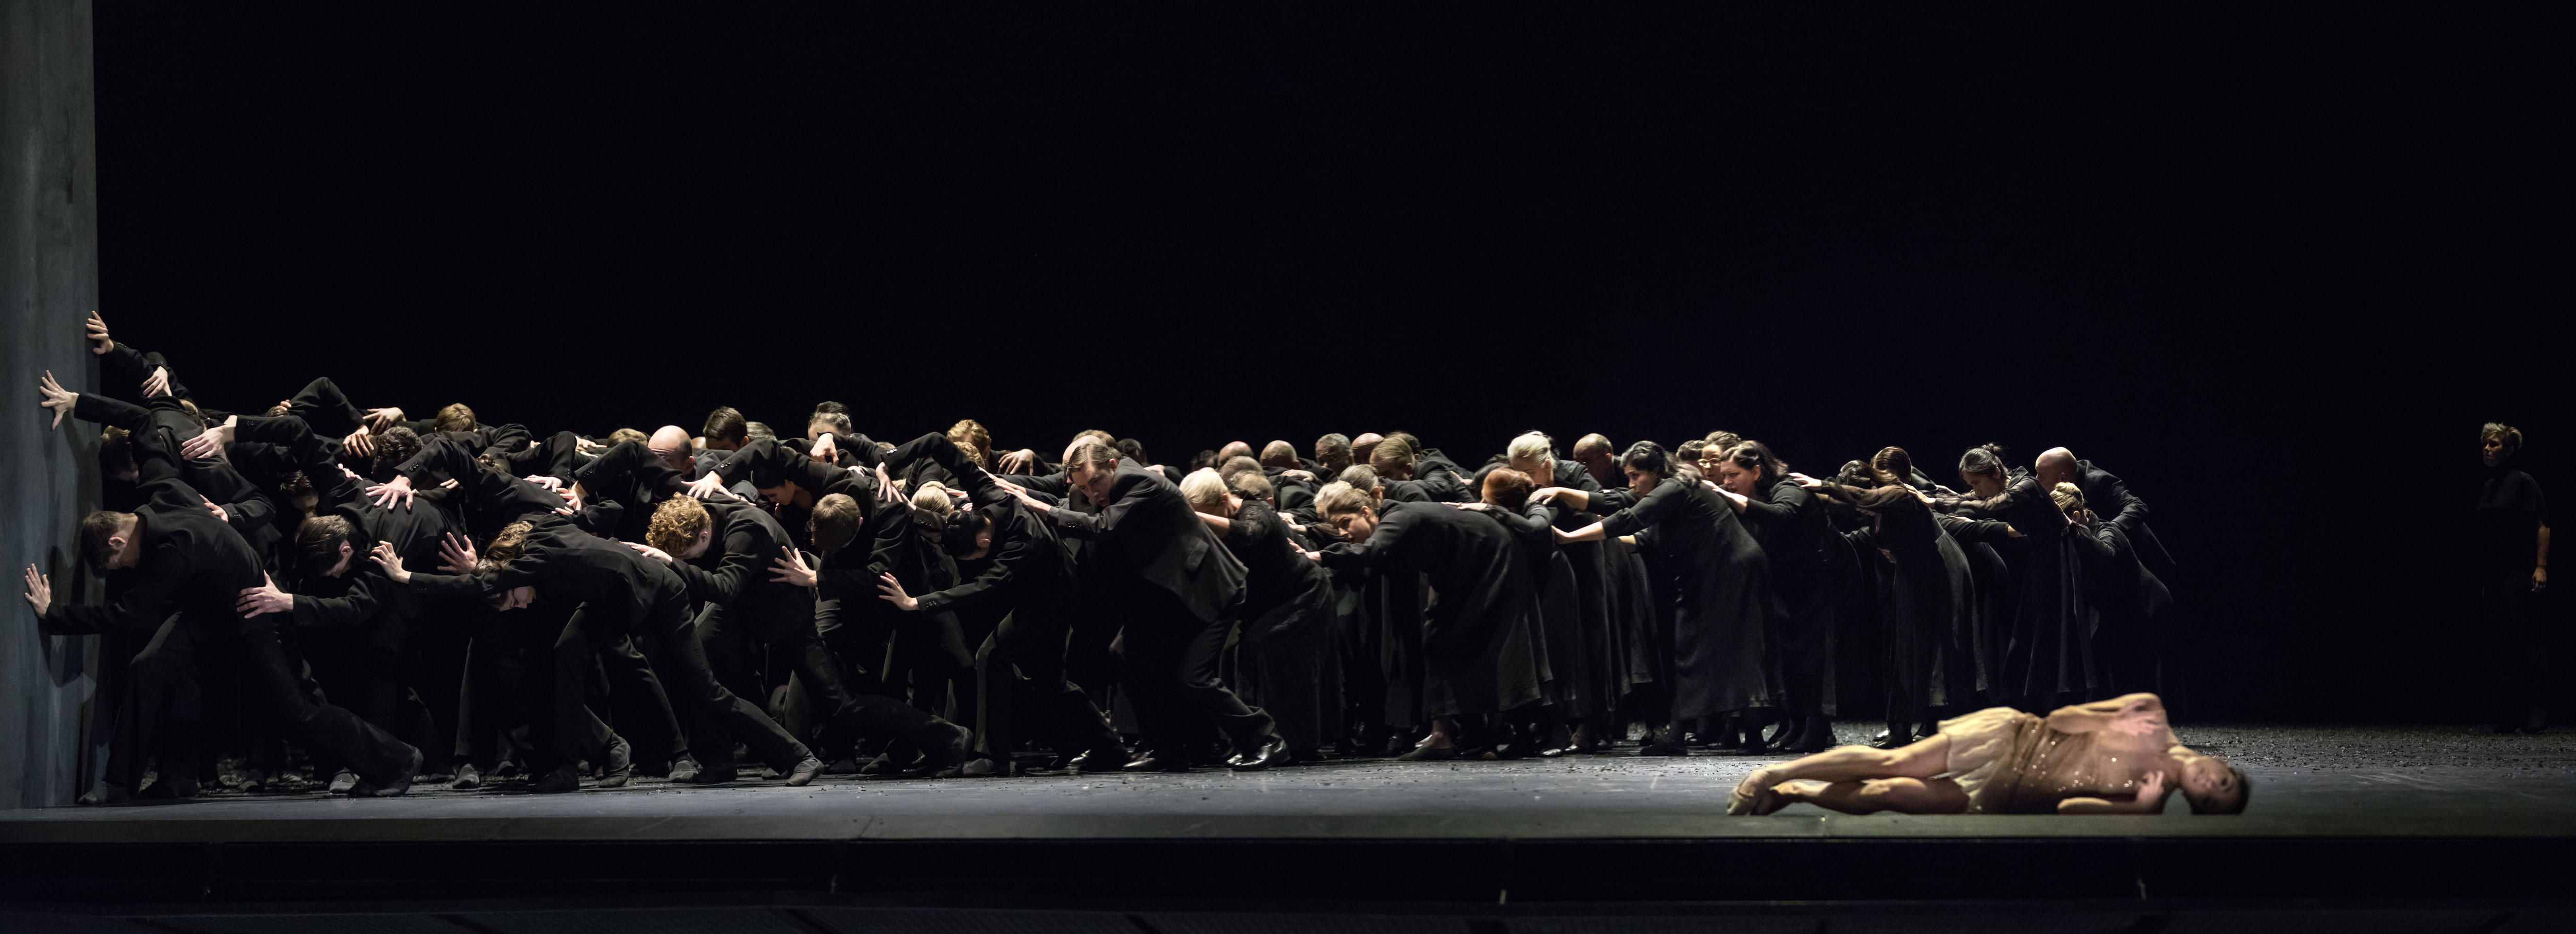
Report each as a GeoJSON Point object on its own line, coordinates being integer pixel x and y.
{"type": "Point", "coordinates": [1657, 503]}
{"type": "Point", "coordinates": [151, 594]}
{"type": "Point", "coordinates": [2130, 511]}
{"type": "Point", "coordinates": [321, 405]}
{"type": "Point", "coordinates": [630, 460]}
{"type": "Point", "coordinates": [108, 410]}
{"type": "Point", "coordinates": [366, 595]}
{"type": "Point", "coordinates": [736, 571]}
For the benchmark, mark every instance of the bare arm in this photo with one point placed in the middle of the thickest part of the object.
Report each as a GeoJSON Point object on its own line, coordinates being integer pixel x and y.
{"type": "Point", "coordinates": [2131, 713]}
{"type": "Point", "coordinates": [2150, 800]}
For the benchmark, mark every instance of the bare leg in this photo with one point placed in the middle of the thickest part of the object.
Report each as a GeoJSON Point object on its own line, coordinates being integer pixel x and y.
{"type": "Point", "coordinates": [1869, 796]}
{"type": "Point", "coordinates": [1922, 758]}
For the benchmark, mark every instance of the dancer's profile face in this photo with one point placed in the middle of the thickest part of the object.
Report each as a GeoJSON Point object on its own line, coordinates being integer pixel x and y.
{"type": "Point", "coordinates": [2493, 453]}
{"type": "Point", "coordinates": [1735, 479]}
{"type": "Point", "coordinates": [1641, 482]}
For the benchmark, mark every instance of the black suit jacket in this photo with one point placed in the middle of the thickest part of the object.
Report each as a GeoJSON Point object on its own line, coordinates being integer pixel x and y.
{"type": "Point", "coordinates": [1148, 530]}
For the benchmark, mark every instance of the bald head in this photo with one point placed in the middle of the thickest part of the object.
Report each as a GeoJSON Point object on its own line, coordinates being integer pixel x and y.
{"type": "Point", "coordinates": [1232, 450]}
{"type": "Point", "coordinates": [1279, 454]}
{"type": "Point", "coordinates": [671, 444]}
{"type": "Point", "coordinates": [1365, 443]}
{"type": "Point", "coordinates": [2055, 466]}
{"type": "Point", "coordinates": [1593, 452]}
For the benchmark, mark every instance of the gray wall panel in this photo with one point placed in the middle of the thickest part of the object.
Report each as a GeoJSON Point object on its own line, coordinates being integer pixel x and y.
{"type": "Point", "coordinates": [48, 282]}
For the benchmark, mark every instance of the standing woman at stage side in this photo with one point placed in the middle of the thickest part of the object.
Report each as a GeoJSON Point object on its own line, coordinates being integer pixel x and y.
{"type": "Point", "coordinates": [1721, 660]}
{"type": "Point", "coordinates": [2513, 571]}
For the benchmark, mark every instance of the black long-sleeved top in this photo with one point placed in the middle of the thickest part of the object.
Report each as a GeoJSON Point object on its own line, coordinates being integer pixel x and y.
{"type": "Point", "coordinates": [736, 564]}
{"type": "Point", "coordinates": [190, 561]}
{"type": "Point", "coordinates": [570, 569]}
{"type": "Point", "coordinates": [630, 474]}
{"type": "Point", "coordinates": [1273, 571]}
{"type": "Point", "coordinates": [2106, 496]}
{"type": "Point", "coordinates": [1147, 529]}
{"type": "Point", "coordinates": [1025, 554]}
{"type": "Point", "coordinates": [161, 421]}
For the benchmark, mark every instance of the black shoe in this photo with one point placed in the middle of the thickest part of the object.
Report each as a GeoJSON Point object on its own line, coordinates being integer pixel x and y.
{"type": "Point", "coordinates": [620, 767]}
{"type": "Point", "coordinates": [1430, 754]}
{"type": "Point", "coordinates": [1155, 762]}
{"type": "Point", "coordinates": [1664, 748]}
{"type": "Point", "coordinates": [706, 775]}
{"type": "Point", "coordinates": [396, 788]}
{"type": "Point", "coordinates": [1273, 751]}
{"type": "Point", "coordinates": [169, 790]}
{"type": "Point", "coordinates": [1886, 741]}
{"type": "Point", "coordinates": [1099, 759]}
{"type": "Point", "coordinates": [557, 782]}
{"type": "Point", "coordinates": [803, 773]}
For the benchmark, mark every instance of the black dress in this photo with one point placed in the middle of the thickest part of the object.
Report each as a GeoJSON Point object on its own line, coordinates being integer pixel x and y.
{"type": "Point", "coordinates": [1287, 659]}
{"type": "Point", "coordinates": [2510, 512]}
{"type": "Point", "coordinates": [2126, 598]}
{"type": "Point", "coordinates": [1720, 603]}
{"type": "Point", "coordinates": [2049, 655]}
{"type": "Point", "coordinates": [1794, 531]}
{"type": "Point", "coordinates": [1925, 598]}
{"type": "Point", "coordinates": [1475, 655]}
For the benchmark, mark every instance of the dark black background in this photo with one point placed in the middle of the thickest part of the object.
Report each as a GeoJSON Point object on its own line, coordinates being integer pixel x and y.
{"type": "Point", "coordinates": [2272, 266]}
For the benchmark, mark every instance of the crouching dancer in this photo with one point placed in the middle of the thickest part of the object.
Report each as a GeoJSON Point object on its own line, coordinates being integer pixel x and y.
{"type": "Point", "coordinates": [2115, 756]}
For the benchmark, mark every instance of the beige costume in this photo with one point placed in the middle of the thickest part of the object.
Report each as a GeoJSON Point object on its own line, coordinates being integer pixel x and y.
{"type": "Point", "coordinates": [2010, 762]}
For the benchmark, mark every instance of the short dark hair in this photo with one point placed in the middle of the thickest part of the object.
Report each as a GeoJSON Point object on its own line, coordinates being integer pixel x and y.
{"type": "Point", "coordinates": [1333, 451]}
{"type": "Point", "coordinates": [1982, 459]}
{"type": "Point", "coordinates": [1649, 457]}
{"type": "Point", "coordinates": [828, 407]}
{"type": "Point", "coordinates": [726, 423]}
{"type": "Point", "coordinates": [1134, 449]}
{"type": "Point", "coordinates": [317, 544]}
{"type": "Point", "coordinates": [839, 421]}
{"type": "Point", "coordinates": [1202, 460]}
{"type": "Point", "coordinates": [1757, 457]}
{"type": "Point", "coordinates": [95, 529]}
{"type": "Point", "coordinates": [835, 521]}
{"type": "Point", "coordinates": [396, 445]}
{"type": "Point", "coordinates": [115, 451]}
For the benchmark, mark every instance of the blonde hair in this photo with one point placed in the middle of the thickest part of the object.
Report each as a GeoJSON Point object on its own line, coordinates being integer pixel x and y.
{"type": "Point", "coordinates": [2511, 436]}
{"type": "Point", "coordinates": [1203, 487]}
{"type": "Point", "coordinates": [2067, 496]}
{"type": "Point", "coordinates": [1338, 498]}
{"type": "Point", "coordinates": [932, 498]}
{"type": "Point", "coordinates": [676, 524]}
{"type": "Point", "coordinates": [1531, 446]}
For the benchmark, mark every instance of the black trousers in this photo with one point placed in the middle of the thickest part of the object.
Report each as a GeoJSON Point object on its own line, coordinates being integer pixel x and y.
{"type": "Point", "coordinates": [783, 620]}
{"type": "Point", "coordinates": [2517, 652]}
{"type": "Point", "coordinates": [488, 700]}
{"type": "Point", "coordinates": [159, 715]}
{"type": "Point", "coordinates": [715, 716]}
{"type": "Point", "coordinates": [1287, 666]}
{"type": "Point", "coordinates": [1030, 643]}
{"type": "Point", "coordinates": [1171, 658]}
{"type": "Point", "coordinates": [273, 684]}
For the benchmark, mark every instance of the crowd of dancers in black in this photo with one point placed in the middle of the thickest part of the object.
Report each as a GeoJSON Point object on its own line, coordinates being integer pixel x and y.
{"type": "Point", "coordinates": [391, 600]}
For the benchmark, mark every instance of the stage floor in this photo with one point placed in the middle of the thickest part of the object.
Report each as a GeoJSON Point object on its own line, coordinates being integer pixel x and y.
{"type": "Point", "coordinates": [2309, 782]}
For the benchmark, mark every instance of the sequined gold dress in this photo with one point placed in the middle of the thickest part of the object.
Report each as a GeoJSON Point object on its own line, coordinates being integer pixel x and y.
{"type": "Point", "coordinates": [2010, 762]}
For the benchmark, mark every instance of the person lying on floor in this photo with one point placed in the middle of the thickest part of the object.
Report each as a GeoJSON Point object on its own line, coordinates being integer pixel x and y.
{"type": "Point", "coordinates": [2115, 756]}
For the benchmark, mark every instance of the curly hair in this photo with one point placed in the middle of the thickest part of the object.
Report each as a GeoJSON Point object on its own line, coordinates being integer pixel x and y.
{"type": "Point", "coordinates": [676, 524]}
